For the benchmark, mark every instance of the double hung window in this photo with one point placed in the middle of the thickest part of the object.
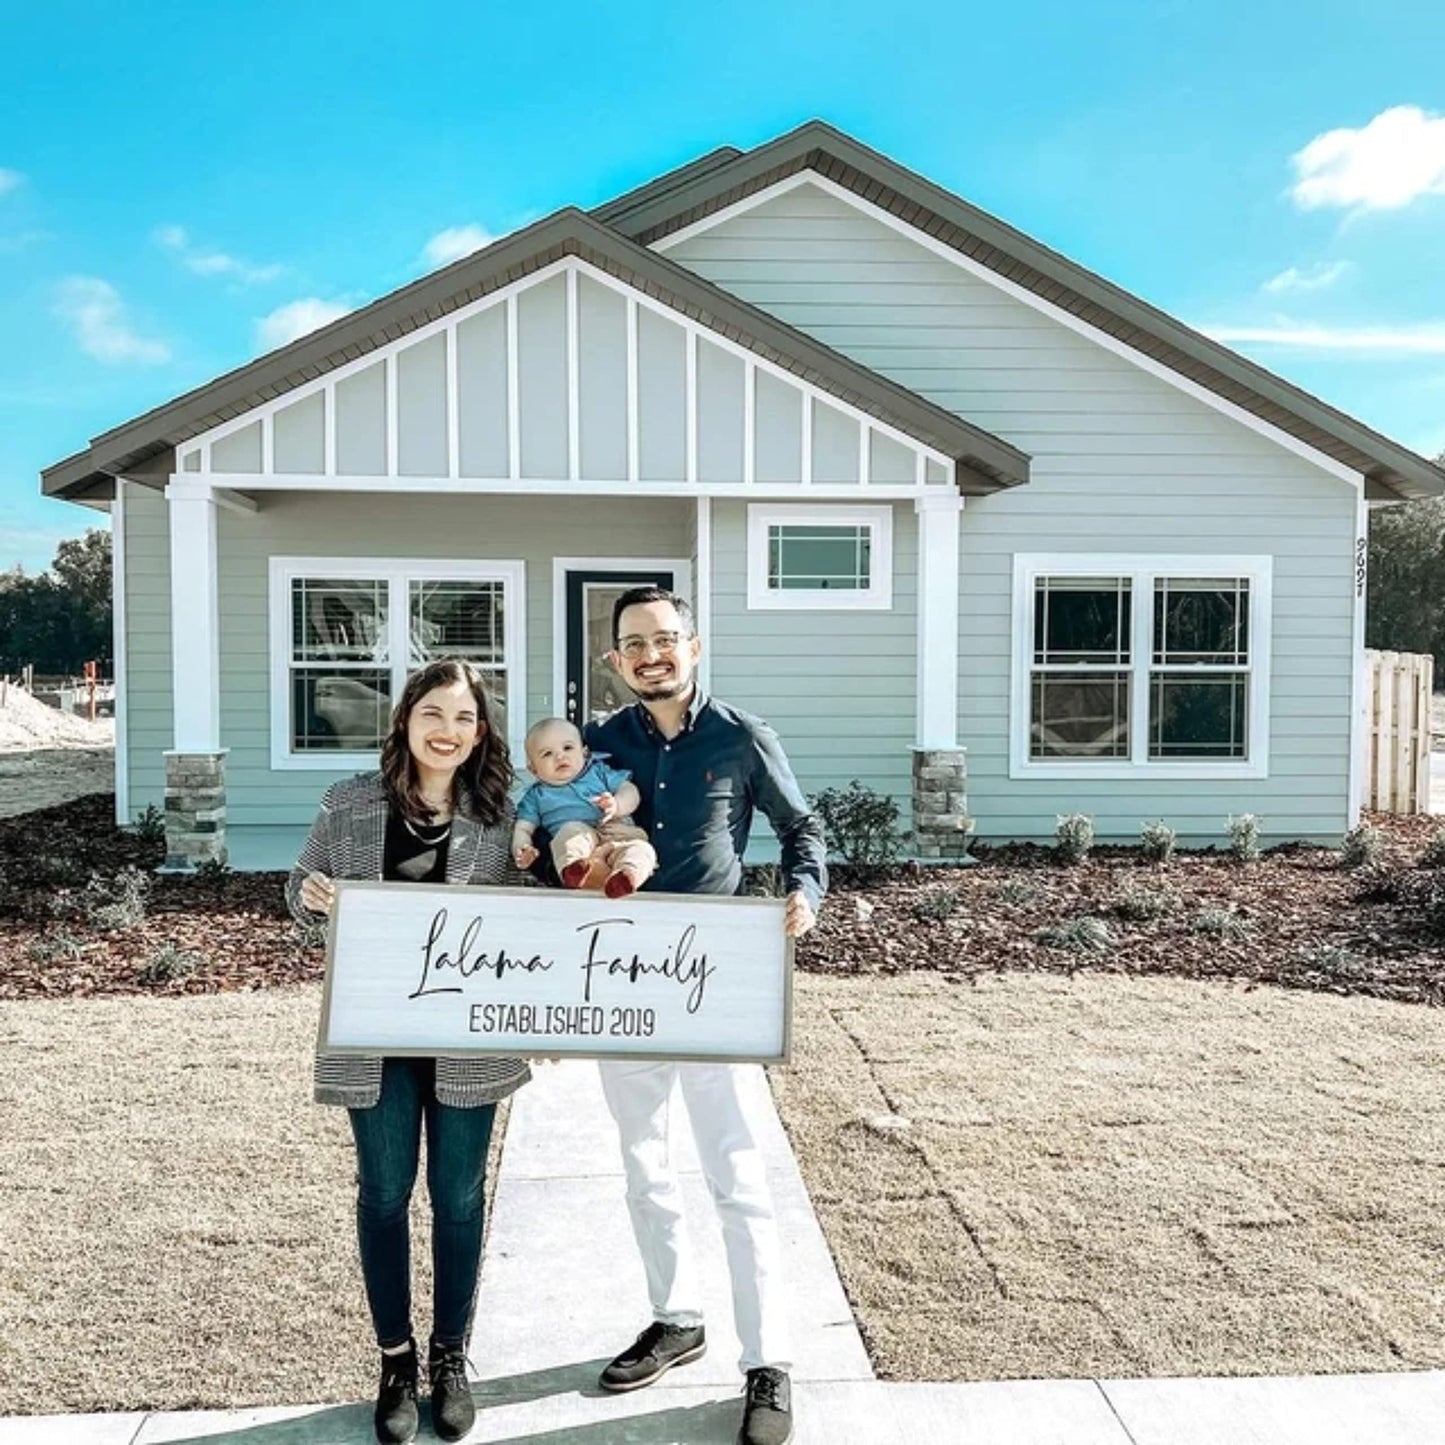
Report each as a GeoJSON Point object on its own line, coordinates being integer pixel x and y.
{"type": "Point", "coordinates": [1123, 665]}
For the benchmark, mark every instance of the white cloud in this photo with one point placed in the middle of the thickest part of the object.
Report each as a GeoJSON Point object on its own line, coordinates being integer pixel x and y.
{"type": "Point", "coordinates": [1311, 278]}
{"type": "Point", "coordinates": [454, 243]}
{"type": "Point", "coordinates": [1396, 158]}
{"type": "Point", "coordinates": [10, 180]}
{"type": "Point", "coordinates": [296, 319]}
{"type": "Point", "coordinates": [214, 263]}
{"type": "Point", "coordinates": [1427, 338]}
{"type": "Point", "coordinates": [93, 310]}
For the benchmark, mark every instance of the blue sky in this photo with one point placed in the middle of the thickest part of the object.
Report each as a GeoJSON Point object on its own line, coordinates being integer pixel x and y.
{"type": "Point", "coordinates": [182, 191]}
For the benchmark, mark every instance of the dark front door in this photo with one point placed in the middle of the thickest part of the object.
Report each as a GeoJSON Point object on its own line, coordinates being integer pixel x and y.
{"type": "Point", "coordinates": [593, 689]}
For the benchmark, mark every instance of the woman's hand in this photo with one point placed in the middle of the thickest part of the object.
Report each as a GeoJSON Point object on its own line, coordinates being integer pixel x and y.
{"type": "Point", "coordinates": [525, 856]}
{"type": "Point", "coordinates": [318, 893]}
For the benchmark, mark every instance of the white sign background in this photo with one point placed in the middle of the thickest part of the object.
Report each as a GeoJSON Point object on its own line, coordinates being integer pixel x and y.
{"type": "Point", "coordinates": [431, 969]}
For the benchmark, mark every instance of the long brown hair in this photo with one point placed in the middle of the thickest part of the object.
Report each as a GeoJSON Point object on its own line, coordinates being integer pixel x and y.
{"type": "Point", "coordinates": [486, 776]}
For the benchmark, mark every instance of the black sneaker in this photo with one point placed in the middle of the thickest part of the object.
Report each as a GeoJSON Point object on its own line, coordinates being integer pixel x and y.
{"type": "Point", "coordinates": [768, 1413]}
{"type": "Point", "coordinates": [396, 1414]}
{"type": "Point", "coordinates": [453, 1412]}
{"type": "Point", "coordinates": [652, 1354]}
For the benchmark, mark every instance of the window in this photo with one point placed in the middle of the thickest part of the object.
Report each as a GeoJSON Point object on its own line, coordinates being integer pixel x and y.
{"type": "Point", "coordinates": [820, 557]}
{"type": "Point", "coordinates": [345, 634]}
{"type": "Point", "coordinates": [1123, 665]}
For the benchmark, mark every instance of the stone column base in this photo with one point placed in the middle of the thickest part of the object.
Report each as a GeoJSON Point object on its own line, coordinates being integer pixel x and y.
{"type": "Point", "coordinates": [195, 810]}
{"type": "Point", "coordinates": [941, 825]}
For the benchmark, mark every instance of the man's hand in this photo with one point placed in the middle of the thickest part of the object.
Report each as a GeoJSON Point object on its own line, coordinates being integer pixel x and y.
{"type": "Point", "coordinates": [525, 856]}
{"type": "Point", "coordinates": [606, 805]}
{"type": "Point", "coordinates": [800, 916]}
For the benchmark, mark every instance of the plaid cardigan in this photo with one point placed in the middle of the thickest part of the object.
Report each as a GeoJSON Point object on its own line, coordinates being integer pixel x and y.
{"type": "Point", "coordinates": [348, 840]}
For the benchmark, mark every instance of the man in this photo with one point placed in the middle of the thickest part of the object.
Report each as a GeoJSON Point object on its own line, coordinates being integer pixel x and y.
{"type": "Point", "coordinates": [702, 768]}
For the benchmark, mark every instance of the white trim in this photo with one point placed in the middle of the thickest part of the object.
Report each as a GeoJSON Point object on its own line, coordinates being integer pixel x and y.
{"type": "Point", "coordinates": [514, 391]}
{"type": "Point", "coordinates": [398, 573]}
{"type": "Point", "coordinates": [195, 626]}
{"type": "Point", "coordinates": [750, 424]}
{"type": "Point", "coordinates": [120, 671]}
{"type": "Point", "coordinates": [233, 501]}
{"type": "Point", "coordinates": [680, 568]}
{"type": "Point", "coordinates": [328, 431]}
{"type": "Point", "coordinates": [634, 402]}
{"type": "Point", "coordinates": [386, 354]}
{"type": "Point", "coordinates": [454, 406]}
{"type": "Point", "coordinates": [1359, 702]}
{"type": "Point", "coordinates": [391, 364]}
{"type": "Point", "coordinates": [877, 596]}
{"type": "Point", "coordinates": [805, 460]}
{"type": "Point", "coordinates": [1270, 432]}
{"type": "Point", "coordinates": [574, 380]}
{"type": "Point", "coordinates": [1142, 569]}
{"type": "Point", "coordinates": [192, 484]}
{"type": "Point", "coordinates": [690, 403]}
{"type": "Point", "coordinates": [702, 590]}
{"type": "Point", "coordinates": [937, 620]}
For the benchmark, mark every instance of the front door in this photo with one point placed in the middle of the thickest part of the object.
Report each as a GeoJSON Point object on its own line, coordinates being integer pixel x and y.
{"type": "Point", "coordinates": [593, 689]}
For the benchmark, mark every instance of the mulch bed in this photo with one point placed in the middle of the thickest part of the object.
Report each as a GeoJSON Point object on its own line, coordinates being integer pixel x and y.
{"type": "Point", "coordinates": [1300, 919]}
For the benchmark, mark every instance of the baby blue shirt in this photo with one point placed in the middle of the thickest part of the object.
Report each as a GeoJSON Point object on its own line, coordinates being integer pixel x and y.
{"type": "Point", "coordinates": [552, 804]}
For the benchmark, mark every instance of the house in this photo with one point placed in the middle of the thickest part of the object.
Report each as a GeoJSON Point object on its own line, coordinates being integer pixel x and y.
{"type": "Point", "coordinates": [960, 518]}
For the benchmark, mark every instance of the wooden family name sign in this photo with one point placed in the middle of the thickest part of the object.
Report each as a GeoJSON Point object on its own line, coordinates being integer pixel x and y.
{"type": "Point", "coordinates": [413, 969]}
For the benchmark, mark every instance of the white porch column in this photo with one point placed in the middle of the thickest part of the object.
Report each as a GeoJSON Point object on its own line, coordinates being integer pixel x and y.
{"type": "Point", "coordinates": [195, 623]}
{"type": "Point", "coordinates": [196, 764]}
{"type": "Point", "coordinates": [937, 722]}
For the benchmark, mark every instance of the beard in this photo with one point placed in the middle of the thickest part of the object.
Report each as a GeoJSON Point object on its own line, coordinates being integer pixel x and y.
{"type": "Point", "coordinates": [663, 689]}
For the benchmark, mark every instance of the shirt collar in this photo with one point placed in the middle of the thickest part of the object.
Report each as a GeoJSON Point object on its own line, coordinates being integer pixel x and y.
{"type": "Point", "coordinates": [689, 718]}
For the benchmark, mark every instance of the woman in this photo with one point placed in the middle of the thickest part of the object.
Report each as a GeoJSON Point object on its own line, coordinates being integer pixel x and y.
{"type": "Point", "coordinates": [436, 812]}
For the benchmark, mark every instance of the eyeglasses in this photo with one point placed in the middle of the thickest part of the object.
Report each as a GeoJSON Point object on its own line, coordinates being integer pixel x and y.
{"type": "Point", "coordinates": [660, 642]}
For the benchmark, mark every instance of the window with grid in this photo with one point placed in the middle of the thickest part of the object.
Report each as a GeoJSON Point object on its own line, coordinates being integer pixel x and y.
{"type": "Point", "coordinates": [1093, 653]}
{"type": "Point", "coordinates": [819, 559]}
{"type": "Point", "coordinates": [353, 640]}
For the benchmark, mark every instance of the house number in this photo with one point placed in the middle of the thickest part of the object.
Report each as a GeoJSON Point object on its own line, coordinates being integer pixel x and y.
{"type": "Point", "coordinates": [1361, 555]}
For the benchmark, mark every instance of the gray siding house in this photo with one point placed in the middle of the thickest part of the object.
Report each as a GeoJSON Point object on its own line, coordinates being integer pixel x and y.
{"type": "Point", "coordinates": [960, 518]}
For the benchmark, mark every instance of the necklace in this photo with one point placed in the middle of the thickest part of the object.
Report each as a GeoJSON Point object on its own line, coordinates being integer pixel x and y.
{"type": "Point", "coordinates": [430, 842]}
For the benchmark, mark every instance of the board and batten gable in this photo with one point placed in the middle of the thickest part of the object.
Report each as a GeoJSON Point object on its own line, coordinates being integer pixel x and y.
{"type": "Point", "coordinates": [1123, 461]}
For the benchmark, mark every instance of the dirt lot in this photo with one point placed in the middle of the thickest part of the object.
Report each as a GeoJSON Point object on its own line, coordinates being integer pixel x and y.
{"type": "Point", "coordinates": [51, 776]}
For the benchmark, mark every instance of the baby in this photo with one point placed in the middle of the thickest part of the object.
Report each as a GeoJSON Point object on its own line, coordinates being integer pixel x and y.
{"type": "Point", "coordinates": [584, 805]}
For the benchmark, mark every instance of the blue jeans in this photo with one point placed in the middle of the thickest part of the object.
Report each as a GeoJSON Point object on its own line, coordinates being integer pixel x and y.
{"type": "Point", "coordinates": [388, 1142]}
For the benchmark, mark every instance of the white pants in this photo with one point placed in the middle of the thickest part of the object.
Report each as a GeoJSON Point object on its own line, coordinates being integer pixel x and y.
{"type": "Point", "coordinates": [640, 1096]}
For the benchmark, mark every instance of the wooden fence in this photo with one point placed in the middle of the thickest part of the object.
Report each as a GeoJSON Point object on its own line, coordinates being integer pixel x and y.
{"type": "Point", "coordinates": [1398, 686]}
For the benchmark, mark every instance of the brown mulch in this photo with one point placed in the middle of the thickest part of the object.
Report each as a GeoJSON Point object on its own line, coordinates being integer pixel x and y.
{"type": "Point", "coordinates": [1304, 920]}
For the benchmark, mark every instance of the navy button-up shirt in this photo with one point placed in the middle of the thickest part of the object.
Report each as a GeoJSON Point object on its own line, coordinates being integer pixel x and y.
{"type": "Point", "coordinates": [700, 789]}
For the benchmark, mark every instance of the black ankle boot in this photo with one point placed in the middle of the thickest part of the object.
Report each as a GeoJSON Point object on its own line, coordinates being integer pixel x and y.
{"type": "Point", "coordinates": [453, 1412]}
{"type": "Point", "coordinates": [396, 1413]}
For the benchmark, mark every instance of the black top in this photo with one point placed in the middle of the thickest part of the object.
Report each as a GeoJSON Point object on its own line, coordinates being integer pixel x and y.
{"type": "Point", "coordinates": [700, 789]}
{"type": "Point", "coordinates": [415, 853]}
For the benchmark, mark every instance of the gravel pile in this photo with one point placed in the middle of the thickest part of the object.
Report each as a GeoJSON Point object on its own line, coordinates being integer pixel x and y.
{"type": "Point", "coordinates": [27, 725]}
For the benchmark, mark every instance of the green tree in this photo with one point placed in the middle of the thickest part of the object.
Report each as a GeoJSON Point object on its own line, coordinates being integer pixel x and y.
{"type": "Point", "coordinates": [1405, 595]}
{"type": "Point", "coordinates": [61, 620]}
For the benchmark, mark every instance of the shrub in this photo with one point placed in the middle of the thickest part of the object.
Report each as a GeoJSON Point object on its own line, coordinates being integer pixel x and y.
{"type": "Point", "coordinates": [1080, 935]}
{"type": "Point", "coordinates": [1434, 854]}
{"type": "Point", "coordinates": [1332, 960]}
{"type": "Point", "coordinates": [62, 869]}
{"type": "Point", "coordinates": [764, 880]}
{"type": "Point", "coordinates": [1156, 842]}
{"type": "Point", "coordinates": [1220, 923]}
{"type": "Point", "coordinates": [168, 962]}
{"type": "Point", "coordinates": [1017, 893]}
{"type": "Point", "coordinates": [1075, 834]}
{"type": "Point", "coordinates": [118, 901]}
{"type": "Point", "coordinates": [213, 870]}
{"type": "Point", "coordinates": [861, 826]}
{"type": "Point", "coordinates": [150, 826]}
{"type": "Point", "coordinates": [58, 948]}
{"type": "Point", "coordinates": [1244, 837]}
{"type": "Point", "coordinates": [1140, 905]}
{"type": "Point", "coordinates": [1362, 846]}
{"type": "Point", "coordinates": [935, 907]}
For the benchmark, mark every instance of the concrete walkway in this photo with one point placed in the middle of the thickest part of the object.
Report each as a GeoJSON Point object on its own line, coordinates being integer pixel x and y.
{"type": "Point", "coordinates": [544, 1328]}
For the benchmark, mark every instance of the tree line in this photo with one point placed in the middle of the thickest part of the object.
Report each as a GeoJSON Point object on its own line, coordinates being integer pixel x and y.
{"type": "Point", "coordinates": [59, 620]}
{"type": "Point", "coordinates": [1405, 591]}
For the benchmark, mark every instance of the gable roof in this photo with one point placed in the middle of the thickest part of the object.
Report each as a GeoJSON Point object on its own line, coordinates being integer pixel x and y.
{"type": "Point", "coordinates": [679, 199]}
{"type": "Point", "coordinates": [145, 446]}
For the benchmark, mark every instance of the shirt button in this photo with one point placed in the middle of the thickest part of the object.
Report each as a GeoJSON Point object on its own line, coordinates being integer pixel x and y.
{"type": "Point", "coordinates": [662, 785]}
{"type": "Point", "coordinates": [667, 747]}
{"type": "Point", "coordinates": [661, 826]}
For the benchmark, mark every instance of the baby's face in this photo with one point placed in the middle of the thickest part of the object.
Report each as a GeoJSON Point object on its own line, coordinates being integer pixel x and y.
{"type": "Point", "coordinates": [556, 755]}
